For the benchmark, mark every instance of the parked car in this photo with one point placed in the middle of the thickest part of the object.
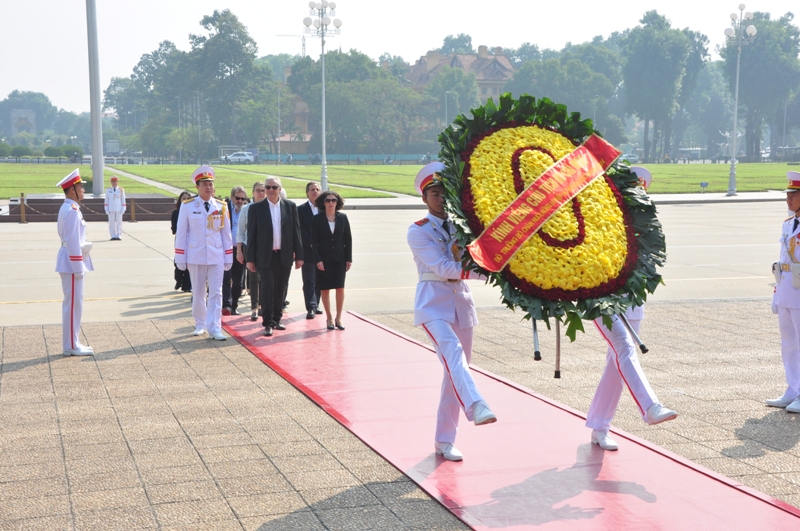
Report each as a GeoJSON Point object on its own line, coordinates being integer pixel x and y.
{"type": "Point", "coordinates": [240, 157]}
{"type": "Point", "coordinates": [630, 158]}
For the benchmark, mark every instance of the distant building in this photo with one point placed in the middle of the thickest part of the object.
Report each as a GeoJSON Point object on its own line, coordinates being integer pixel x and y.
{"type": "Point", "coordinates": [23, 121]}
{"type": "Point", "coordinates": [491, 70]}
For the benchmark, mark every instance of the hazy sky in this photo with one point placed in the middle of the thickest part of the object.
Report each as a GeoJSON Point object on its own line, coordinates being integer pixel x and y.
{"type": "Point", "coordinates": [43, 42]}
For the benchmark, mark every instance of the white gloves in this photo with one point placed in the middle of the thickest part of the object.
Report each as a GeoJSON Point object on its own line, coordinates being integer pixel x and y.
{"type": "Point", "coordinates": [79, 276]}
{"type": "Point", "coordinates": [228, 266]}
{"type": "Point", "coordinates": [774, 308]}
{"type": "Point", "coordinates": [182, 267]}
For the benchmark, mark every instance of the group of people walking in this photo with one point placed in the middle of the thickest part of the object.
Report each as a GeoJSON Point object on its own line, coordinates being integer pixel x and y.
{"type": "Point", "coordinates": [233, 245]}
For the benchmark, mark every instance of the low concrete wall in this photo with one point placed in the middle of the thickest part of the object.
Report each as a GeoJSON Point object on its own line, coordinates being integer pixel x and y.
{"type": "Point", "coordinates": [144, 208]}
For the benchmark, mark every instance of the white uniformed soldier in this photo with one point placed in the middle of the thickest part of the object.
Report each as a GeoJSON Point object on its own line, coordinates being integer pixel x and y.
{"type": "Point", "coordinates": [203, 245]}
{"type": "Point", "coordinates": [443, 306]}
{"type": "Point", "coordinates": [623, 369]}
{"type": "Point", "coordinates": [115, 208]}
{"type": "Point", "coordinates": [786, 300]}
{"type": "Point", "coordinates": [72, 262]}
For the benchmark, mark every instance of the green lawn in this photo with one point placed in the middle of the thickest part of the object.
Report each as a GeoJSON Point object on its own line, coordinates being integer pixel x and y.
{"type": "Point", "coordinates": [42, 178]}
{"type": "Point", "coordinates": [227, 177]}
{"type": "Point", "coordinates": [683, 178]}
{"type": "Point", "coordinates": [398, 179]}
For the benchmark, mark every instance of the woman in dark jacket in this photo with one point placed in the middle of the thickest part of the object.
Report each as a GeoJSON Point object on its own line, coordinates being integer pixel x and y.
{"type": "Point", "coordinates": [332, 244]}
{"type": "Point", "coordinates": [182, 280]}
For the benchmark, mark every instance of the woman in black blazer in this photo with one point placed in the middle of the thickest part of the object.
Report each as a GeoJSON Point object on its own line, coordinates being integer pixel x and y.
{"type": "Point", "coordinates": [332, 244]}
{"type": "Point", "coordinates": [182, 280]}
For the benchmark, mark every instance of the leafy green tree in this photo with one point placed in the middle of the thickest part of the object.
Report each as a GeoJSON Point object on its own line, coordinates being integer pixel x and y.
{"type": "Point", "coordinates": [654, 65]}
{"type": "Point", "coordinates": [5, 149]}
{"type": "Point", "coordinates": [225, 59]}
{"type": "Point", "coordinates": [526, 52]}
{"type": "Point", "coordinates": [396, 65]}
{"type": "Point", "coordinates": [278, 64]}
{"type": "Point", "coordinates": [53, 151]}
{"type": "Point", "coordinates": [461, 43]}
{"type": "Point", "coordinates": [710, 106]}
{"type": "Point", "coordinates": [695, 63]}
{"type": "Point", "coordinates": [21, 151]}
{"type": "Point", "coordinates": [35, 101]}
{"type": "Point", "coordinates": [769, 72]}
{"type": "Point", "coordinates": [463, 88]}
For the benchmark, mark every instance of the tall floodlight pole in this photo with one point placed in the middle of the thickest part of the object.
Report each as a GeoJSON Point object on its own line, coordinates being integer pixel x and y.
{"type": "Point", "coordinates": [321, 23]}
{"type": "Point", "coordinates": [94, 95]}
{"type": "Point", "coordinates": [736, 35]}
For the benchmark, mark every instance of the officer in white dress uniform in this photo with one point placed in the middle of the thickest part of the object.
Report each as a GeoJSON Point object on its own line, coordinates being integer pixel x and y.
{"type": "Point", "coordinates": [443, 306]}
{"type": "Point", "coordinates": [203, 245]}
{"type": "Point", "coordinates": [72, 262]}
{"type": "Point", "coordinates": [623, 369]}
{"type": "Point", "coordinates": [786, 300]}
{"type": "Point", "coordinates": [115, 208]}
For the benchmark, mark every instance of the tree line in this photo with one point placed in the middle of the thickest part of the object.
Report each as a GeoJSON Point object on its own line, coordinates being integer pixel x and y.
{"type": "Point", "coordinates": [651, 87]}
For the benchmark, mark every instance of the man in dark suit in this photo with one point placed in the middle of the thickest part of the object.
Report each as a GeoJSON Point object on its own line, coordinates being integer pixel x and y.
{"type": "Point", "coordinates": [271, 251]}
{"type": "Point", "coordinates": [233, 279]}
{"type": "Point", "coordinates": [307, 211]}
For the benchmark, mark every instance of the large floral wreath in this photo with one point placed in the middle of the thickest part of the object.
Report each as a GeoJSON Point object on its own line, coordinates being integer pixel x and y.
{"type": "Point", "coordinates": [597, 255]}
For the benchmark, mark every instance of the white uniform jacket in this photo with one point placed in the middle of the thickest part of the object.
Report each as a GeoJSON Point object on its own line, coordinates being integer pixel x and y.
{"type": "Point", "coordinates": [787, 296]}
{"type": "Point", "coordinates": [203, 238]}
{"type": "Point", "coordinates": [434, 250]}
{"type": "Point", "coordinates": [115, 200]}
{"type": "Point", "coordinates": [72, 231]}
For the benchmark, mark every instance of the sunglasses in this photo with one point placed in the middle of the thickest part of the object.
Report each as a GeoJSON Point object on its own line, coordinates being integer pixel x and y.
{"type": "Point", "coordinates": [331, 200]}
{"type": "Point", "coordinates": [272, 187]}
{"type": "Point", "coordinates": [240, 198]}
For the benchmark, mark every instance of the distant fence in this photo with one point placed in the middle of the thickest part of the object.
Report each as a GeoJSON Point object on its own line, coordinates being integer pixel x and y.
{"type": "Point", "coordinates": [30, 209]}
{"type": "Point", "coordinates": [263, 158]}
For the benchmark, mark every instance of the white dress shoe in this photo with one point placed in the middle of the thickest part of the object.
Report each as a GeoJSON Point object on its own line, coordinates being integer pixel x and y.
{"type": "Point", "coordinates": [84, 347]}
{"type": "Point", "coordinates": [199, 331]}
{"type": "Point", "coordinates": [656, 414]}
{"type": "Point", "coordinates": [779, 402]}
{"type": "Point", "coordinates": [78, 351]}
{"type": "Point", "coordinates": [794, 407]}
{"type": "Point", "coordinates": [481, 414]}
{"type": "Point", "coordinates": [219, 336]}
{"type": "Point", "coordinates": [601, 439]}
{"type": "Point", "coordinates": [448, 451]}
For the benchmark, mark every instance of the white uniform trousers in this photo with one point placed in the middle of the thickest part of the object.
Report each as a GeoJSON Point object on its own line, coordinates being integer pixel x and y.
{"type": "Point", "coordinates": [115, 224]}
{"type": "Point", "coordinates": [622, 367]}
{"type": "Point", "coordinates": [207, 313]}
{"type": "Point", "coordinates": [453, 346]}
{"type": "Point", "coordinates": [789, 323]}
{"type": "Point", "coordinates": [71, 310]}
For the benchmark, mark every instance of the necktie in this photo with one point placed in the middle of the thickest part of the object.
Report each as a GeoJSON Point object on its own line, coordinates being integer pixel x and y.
{"type": "Point", "coordinates": [446, 226]}
{"type": "Point", "coordinates": [796, 221]}
{"type": "Point", "coordinates": [206, 203]}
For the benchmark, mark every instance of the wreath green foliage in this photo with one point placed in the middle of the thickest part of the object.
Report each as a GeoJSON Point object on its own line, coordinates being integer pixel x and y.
{"type": "Point", "coordinates": [650, 237]}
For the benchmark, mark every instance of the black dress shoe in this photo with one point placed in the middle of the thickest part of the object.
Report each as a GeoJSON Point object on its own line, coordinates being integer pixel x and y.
{"type": "Point", "coordinates": [310, 314]}
{"type": "Point", "coordinates": [178, 285]}
{"type": "Point", "coordinates": [280, 326]}
{"type": "Point", "coordinates": [234, 311]}
{"type": "Point", "coordinates": [339, 325]}
{"type": "Point", "coordinates": [226, 311]}
{"type": "Point", "coordinates": [318, 311]}
{"type": "Point", "coordinates": [267, 330]}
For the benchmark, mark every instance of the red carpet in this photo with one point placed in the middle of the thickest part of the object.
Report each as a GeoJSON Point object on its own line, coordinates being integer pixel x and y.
{"type": "Point", "coordinates": [534, 468]}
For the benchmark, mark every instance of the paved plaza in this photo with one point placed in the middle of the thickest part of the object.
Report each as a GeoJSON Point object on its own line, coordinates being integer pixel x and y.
{"type": "Point", "coordinates": [162, 430]}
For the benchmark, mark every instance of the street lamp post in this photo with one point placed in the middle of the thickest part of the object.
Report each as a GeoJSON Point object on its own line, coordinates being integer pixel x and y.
{"type": "Point", "coordinates": [736, 35]}
{"type": "Point", "coordinates": [321, 23]}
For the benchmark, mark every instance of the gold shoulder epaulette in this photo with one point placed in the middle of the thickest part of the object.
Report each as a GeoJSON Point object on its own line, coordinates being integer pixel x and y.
{"type": "Point", "coordinates": [422, 222]}
{"type": "Point", "coordinates": [188, 200]}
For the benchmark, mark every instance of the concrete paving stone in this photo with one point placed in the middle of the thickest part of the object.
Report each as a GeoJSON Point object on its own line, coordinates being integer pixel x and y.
{"type": "Point", "coordinates": [193, 426]}
{"type": "Point", "coordinates": [771, 483]}
{"type": "Point", "coordinates": [103, 481]}
{"type": "Point", "coordinates": [159, 446]}
{"type": "Point", "coordinates": [316, 479]}
{"type": "Point", "coordinates": [378, 474]}
{"type": "Point", "coordinates": [33, 488]}
{"type": "Point", "coordinates": [284, 435]}
{"type": "Point", "coordinates": [240, 469]}
{"type": "Point", "coordinates": [86, 426]}
{"type": "Point", "coordinates": [153, 431]}
{"type": "Point", "coordinates": [252, 485]}
{"type": "Point", "coordinates": [48, 523]}
{"type": "Point", "coordinates": [692, 450]}
{"type": "Point", "coordinates": [316, 462]}
{"type": "Point", "coordinates": [34, 507]}
{"type": "Point", "coordinates": [119, 518]}
{"type": "Point", "coordinates": [172, 459]}
{"type": "Point", "coordinates": [83, 502]}
{"type": "Point", "coordinates": [360, 459]}
{"type": "Point", "coordinates": [292, 448]}
{"type": "Point", "coordinates": [369, 517]}
{"type": "Point", "coordinates": [91, 466]}
{"type": "Point", "coordinates": [100, 451]}
{"type": "Point", "coordinates": [176, 474]}
{"type": "Point", "coordinates": [197, 512]}
{"type": "Point", "coordinates": [267, 503]}
{"type": "Point", "coordinates": [343, 445]}
{"type": "Point", "coordinates": [305, 520]}
{"type": "Point", "coordinates": [13, 456]}
{"type": "Point", "coordinates": [231, 453]}
{"type": "Point", "coordinates": [31, 471]}
{"type": "Point", "coordinates": [25, 440]}
{"type": "Point", "coordinates": [217, 440]}
{"type": "Point", "coordinates": [425, 514]}
{"type": "Point", "coordinates": [183, 491]}
{"type": "Point", "coordinates": [330, 498]}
